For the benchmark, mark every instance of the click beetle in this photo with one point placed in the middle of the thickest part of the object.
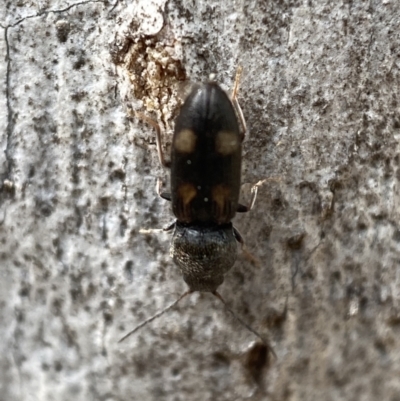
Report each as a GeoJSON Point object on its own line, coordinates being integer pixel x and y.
{"type": "Point", "coordinates": [205, 163]}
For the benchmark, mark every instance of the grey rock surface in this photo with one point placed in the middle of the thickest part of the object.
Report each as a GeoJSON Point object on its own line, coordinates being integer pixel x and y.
{"type": "Point", "coordinates": [320, 93]}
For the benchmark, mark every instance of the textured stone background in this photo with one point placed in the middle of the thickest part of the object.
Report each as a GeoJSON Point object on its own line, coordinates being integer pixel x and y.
{"type": "Point", "coordinates": [320, 92]}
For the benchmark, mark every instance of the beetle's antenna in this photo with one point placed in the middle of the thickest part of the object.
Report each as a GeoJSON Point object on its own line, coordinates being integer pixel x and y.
{"type": "Point", "coordinates": [157, 315]}
{"type": "Point", "coordinates": [249, 328]}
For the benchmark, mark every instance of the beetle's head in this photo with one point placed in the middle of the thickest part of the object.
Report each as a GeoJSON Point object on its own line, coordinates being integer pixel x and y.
{"type": "Point", "coordinates": [203, 254]}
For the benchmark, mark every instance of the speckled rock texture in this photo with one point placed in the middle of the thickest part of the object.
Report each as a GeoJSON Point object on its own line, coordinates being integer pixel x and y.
{"type": "Point", "coordinates": [79, 263]}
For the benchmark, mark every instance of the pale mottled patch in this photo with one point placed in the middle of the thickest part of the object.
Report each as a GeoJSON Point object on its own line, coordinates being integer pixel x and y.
{"type": "Point", "coordinates": [185, 141]}
{"type": "Point", "coordinates": [227, 142]}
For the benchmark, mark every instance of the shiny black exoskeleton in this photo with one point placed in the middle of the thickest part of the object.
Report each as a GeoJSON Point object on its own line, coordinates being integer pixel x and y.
{"type": "Point", "coordinates": [205, 167]}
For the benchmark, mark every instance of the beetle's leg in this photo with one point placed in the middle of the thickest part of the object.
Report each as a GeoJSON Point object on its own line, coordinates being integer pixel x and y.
{"type": "Point", "coordinates": [246, 253]}
{"type": "Point", "coordinates": [170, 226]}
{"type": "Point", "coordinates": [164, 195]}
{"type": "Point", "coordinates": [156, 126]}
{"type": "Point", "coordinates": [236, 84]}
{"type": "Point", "coordinates": [238, 236]}
{"type": "Point", "coordinates": [236, 104]}
{"type": "Point", "coordinates": [254, 191]}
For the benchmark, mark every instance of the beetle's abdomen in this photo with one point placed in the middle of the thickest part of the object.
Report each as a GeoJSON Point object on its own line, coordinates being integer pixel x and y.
{"type": "Point", "coordinates": [206, 158]}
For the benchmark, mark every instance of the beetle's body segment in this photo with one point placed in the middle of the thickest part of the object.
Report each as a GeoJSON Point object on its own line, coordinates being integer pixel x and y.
{"type": "Point", "coordinates": [205, 166]}
{"type": "Point", "coordinates": [203, 254]}
{"type": "Point", "coordinates": [206, 158]}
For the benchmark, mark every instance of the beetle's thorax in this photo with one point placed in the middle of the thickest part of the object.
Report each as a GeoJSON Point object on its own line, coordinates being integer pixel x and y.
{"type": "Point", "coordinates": [203, 254]}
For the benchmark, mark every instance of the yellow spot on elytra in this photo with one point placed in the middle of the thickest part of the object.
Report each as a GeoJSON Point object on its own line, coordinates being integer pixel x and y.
{"type": "Point", "coordinates": [186, 193]}
{"type": "Point", "coordinates": [185, 141]}
{"type": "Point", "coordinates": [221, 200]}
{"type": "Point", "coordinates": [227, 142]}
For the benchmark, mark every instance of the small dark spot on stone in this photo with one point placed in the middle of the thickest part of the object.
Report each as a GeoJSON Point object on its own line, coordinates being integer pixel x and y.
{"type": "Point", "coordinates": [9, 187]}
{"type": "Point", "coordinates": [362, 224]}
{"type": "Point", "coordinates": [266, 231]}
{"type": "Point", "coordinates": [276, 317]}
{"type": "Point", "coordinates": [19, 316]}
{"type": "Point", "coordinates": [277, 203]}
{"type": "Point", "coordinates": [78, 96]}
{"type": "Point", "coordinates": [31, 172]}
{"type": "Point", "coordinates": [128, 270]}
{"type": "Point", "coordinates": [140, 367]}
{"type": "Point", "coordinates": [75, 292]}
{"type": "Point", "coordinates": [104, 200]}
{"type": "Point", "coordinates": [398, 174]}
{"type": "Point", "coordinates": [110, 280]}
{"type": "Point", "coordinates": [24, 291]}
{"type": "Point", "coordinates": [58, 366]}
{"type": "Point", "coordinates": [63, 28]}
{"type": "Point", "coordinates": [175, 371]}
{"type": "Point", "coordinates": [107, 315]}
{"type": "Point", "coordinates": [56, 306]}
{"type": "Point", "coordinates": [394, 318]}
{"type": "Point", "coordinates": [138, 194]}
{"type": "Point", "coordinates": [219, 359]}
{"type": "Point", "coordinates": [79, 63]}
{"type": "Point", "coordinates": [45, 366]}
{"type": "Point", "coordinates": [396, 235]}
{"type": "Point", "coordinates": [119, 49]}
{"type": "Point", "coordinates": [123, 225]}
{"type": "Point", "coordinates": [363, 303]}
{"type": "Point", "coordinates": [117, 174]}
{"type": "Point", "coordinates": [335, 185]}
{"type": "Point", "coordinates": [46, 210]}
{"type": "Point", "coordinates": [91, 290]}
{"type": "Point", "coordinates": [295, 241]}
{"type": "Point", "coordinates": [256, 359]}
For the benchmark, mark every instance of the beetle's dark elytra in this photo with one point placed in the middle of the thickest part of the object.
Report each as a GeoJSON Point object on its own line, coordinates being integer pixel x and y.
{"type": "Point", "coordinates": [206, 158]}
